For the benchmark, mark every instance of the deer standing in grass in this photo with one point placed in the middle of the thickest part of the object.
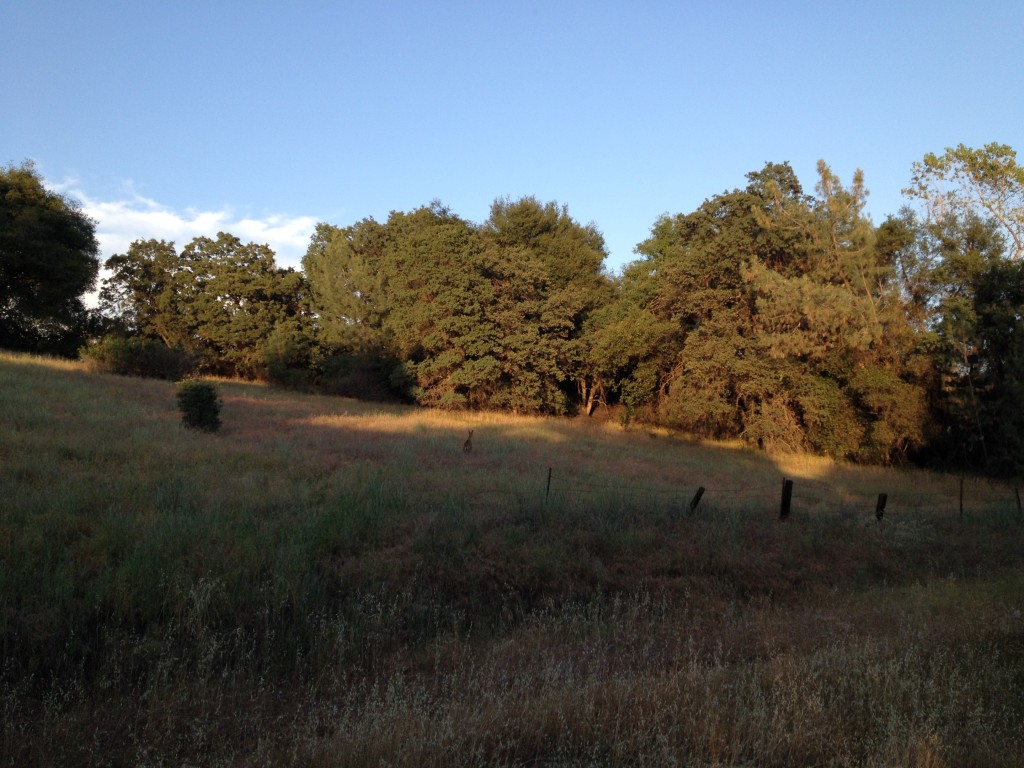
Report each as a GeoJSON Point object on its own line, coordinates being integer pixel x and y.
{"type": "Point", "coordinates": [468, 445]}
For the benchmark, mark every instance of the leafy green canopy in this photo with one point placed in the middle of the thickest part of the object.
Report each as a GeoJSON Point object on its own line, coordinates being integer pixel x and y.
{"type": "Point", "coordinates": [963, 265]}
{"type": "Point", "coordinates": [473, 316]}
{"type": "Point", "coordinates": [986, 182]}
{"type": "Point", "coordinates": [778, 320]}
{"type": "Point", "coordinates": [48, 261]}
{"type": "Point", "coordinates": [219, 300]}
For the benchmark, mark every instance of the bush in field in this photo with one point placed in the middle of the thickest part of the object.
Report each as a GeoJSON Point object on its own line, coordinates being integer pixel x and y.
{"type": "Point", "coordinates": [199, 405]}
{"type": "Point", "coordinates": [137, 357]}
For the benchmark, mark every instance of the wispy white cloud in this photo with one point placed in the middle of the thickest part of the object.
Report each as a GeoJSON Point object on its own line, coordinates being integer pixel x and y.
{"type": "Point", "coordinates": [135, 217]}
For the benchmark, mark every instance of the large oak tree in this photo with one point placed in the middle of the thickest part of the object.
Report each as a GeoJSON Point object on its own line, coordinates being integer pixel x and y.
{"type": "Point", "coordinates": [48, 262]}
{"type": "Point", "coordinates": [780, 321]}
{"type": "Point", "coordinates": [467, 315]}
{"type": "Point", "coordinates": [220, 300]}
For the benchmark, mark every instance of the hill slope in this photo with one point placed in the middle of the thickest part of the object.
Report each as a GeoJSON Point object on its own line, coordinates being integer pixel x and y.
{"type": "Point", "coordinates": [330, 582]}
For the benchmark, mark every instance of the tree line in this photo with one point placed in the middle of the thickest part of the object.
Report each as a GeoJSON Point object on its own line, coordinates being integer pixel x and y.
{"type": "Point", "coordinates": [771, 314]}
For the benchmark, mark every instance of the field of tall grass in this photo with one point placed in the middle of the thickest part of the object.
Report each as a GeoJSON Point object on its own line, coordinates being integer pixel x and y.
{"type": "Point", "coordinates": [325, 582]}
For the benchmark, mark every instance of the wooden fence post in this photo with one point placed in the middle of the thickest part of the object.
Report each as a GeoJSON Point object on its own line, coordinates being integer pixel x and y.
{"type": "Point", "coordinates": [547, 491]}
{"type": "Point", "coordinates": [696, 499]}
{"type": "Point", "coordinates": [787, 498]}
{"type": "Point", "coordinates": [961, 498]}
{"type": "Point", "coordinates": [880, 506]}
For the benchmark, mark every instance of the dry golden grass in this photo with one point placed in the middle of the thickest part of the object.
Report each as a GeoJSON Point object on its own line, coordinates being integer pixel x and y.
{"type": "Point", "coordinates": [328, 582]}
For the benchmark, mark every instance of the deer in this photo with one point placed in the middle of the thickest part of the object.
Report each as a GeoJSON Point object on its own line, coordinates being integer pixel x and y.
{"type": "Point", "coordinates": [468, 445]}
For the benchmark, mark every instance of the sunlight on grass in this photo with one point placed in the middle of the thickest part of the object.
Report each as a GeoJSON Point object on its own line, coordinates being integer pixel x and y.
{"type": "Point", "coordinates": [418, 421]}
{"type": "Point", "coordinates": [805, 466]}
{"type": "Point", "coordinates": [52, 363]}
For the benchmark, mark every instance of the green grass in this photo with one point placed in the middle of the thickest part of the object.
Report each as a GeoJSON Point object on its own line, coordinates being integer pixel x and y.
{"type": "Point", "coordinates": [327, 582]}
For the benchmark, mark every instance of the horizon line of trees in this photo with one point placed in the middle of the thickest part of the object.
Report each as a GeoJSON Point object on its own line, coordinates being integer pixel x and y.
{"type": "Point", "coordinates": [783, 318]}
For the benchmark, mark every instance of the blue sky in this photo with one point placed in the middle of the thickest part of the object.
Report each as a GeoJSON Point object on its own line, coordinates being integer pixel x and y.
{"type": "Point", "coordinates": [171, 119]}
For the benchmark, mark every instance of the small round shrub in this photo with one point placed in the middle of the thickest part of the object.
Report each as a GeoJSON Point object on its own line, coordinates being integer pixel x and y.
{"type": "Point", "coordinates": [199, 405]}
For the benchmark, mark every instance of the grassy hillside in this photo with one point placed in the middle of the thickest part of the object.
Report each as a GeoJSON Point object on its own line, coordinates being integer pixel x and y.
{"type": "Point", "coordinates": [326, 582]}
